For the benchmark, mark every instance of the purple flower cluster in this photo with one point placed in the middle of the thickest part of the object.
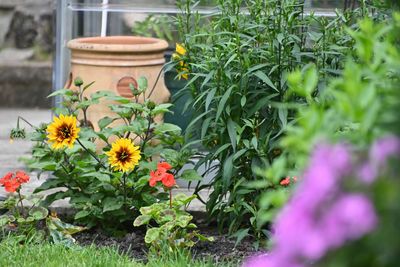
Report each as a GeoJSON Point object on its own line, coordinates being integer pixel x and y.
{"type": "Point", "coordinates": [321, 216]}
{"type": "Point", "coordinates": [380, 151]}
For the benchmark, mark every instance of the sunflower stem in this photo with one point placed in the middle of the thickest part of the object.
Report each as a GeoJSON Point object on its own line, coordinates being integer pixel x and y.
{"type": "Point", "coordinates": [92, 154]}
{"type": "Point", "coordinates": [124, 184]}
{"type": "Point", "coordinates": [27, 122]}
{"type": "Point", "coordinates": [146, 138]}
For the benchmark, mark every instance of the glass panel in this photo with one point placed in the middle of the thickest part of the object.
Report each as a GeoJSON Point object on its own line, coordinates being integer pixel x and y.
{"type": "Point", "coordinates": [327, 3]}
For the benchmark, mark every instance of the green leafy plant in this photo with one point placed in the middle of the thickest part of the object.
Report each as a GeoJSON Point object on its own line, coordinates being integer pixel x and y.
{"type": "Point", "coordinates": [160, 26]}
{"type": "Point", "coordinates": [174, 224]}
{"type": "Point", "coordinates": [354, 108]}
{"type": "Point", "coordinates": [105, 172]}
{"type": "Point", "coordinates": [25, 221]}
{"type": "Point", "coordinates": [238, 68]}
{"type": "Point", "coordinates": [174, 228]}
{"type": "Point", "coordinates": [358, 111]}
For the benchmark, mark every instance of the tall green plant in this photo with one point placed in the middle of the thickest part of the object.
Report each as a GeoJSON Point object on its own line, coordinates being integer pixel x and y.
{"type": "Point", "coordinates": [239, 64]}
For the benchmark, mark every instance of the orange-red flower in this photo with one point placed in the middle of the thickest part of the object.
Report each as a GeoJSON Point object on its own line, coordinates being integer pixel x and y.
{"type": "Point", "coordinates": [12, 183]}
{"type": "Point", "coordinates": [161, 175]}
{"type": "Point", "coordinates": [168, 180]}
{"type": "Point", "coordinates": [164, 165]}
{"type": "Point", "coordinates": [22, 177]}
{"type": "Point", "coordinates": [156, 176]}
{"type": "Point", "coordinates": [285, 182]}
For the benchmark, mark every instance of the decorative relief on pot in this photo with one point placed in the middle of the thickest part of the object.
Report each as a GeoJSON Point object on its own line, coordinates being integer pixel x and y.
{"type": "Point", "coordinates": [123, 88]}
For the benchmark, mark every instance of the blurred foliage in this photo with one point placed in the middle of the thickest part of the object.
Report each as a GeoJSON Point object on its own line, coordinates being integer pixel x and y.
{"type": "Point", "coordinates": [239, 65]}
{"type": "Point", "coordinates": [357, 108]}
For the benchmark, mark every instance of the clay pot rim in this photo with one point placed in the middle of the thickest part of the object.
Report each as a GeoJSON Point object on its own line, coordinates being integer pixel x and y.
{"type": "Point", "coordinates": [118, 44]}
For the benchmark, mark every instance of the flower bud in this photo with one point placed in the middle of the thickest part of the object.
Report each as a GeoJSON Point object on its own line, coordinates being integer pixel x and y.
{"type": "Point", "coordinates": [78, 81]}
{"type": "Point", "coordinates": [17, 133]}
{"type": "Point", "coordinates": [151, 105]}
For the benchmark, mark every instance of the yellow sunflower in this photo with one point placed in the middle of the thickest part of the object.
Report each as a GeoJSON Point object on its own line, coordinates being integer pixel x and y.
{"type": "Point", "coordinates": [62, 131]}
{"type": "Point", "coordinates": [124, 155]}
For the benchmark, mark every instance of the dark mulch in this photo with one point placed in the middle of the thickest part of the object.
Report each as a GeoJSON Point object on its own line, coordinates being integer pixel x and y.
{"type": "Point", "coordinates": [221, 250]}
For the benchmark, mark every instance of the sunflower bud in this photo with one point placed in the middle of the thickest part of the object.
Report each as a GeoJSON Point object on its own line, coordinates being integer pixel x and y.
{"type": "Point", "coordinates": [17, 133]}
{"type": "Point", "coordinates": [151, 105]}
{"type": "Point", "coordinates": [78, 81]}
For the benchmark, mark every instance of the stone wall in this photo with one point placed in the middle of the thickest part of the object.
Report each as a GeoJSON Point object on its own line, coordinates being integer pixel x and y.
{"type": "Point", "coordinates": [26, 47]}
{"type": "Point", "coordinates": [26, 24]}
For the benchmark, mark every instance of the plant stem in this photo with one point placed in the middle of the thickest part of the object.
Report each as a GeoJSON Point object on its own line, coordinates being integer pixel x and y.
{"type": "Point", "coordinates": [170, 199]}
{"type": "Point", "coordinates": [124, 184]}
{"type": "Point", "coordinates": [155, 83]}
{"type": "Point", "coordinates": [92, 154]}
{"type": "Point", "coordinates": [146, 138]}
{"type": "Point", "coordinates": [22, 205]}
{"type": "Point", "coordinates": [27, 122]}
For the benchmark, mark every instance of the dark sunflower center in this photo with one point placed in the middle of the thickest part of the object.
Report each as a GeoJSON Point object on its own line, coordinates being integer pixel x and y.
{"type": "Point", "coordinates": [65, 131]}
{"type": "Point", "coordinates": [122, 156]}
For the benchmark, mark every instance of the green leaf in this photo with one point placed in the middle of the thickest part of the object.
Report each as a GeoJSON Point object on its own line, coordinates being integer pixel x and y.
{"type": "Point", "coordinates": [232, 133]}
{"type": "Point", "coordinates": [183, 220]}
{"type": "Point", "coordinates": [100, 94]}
{"type": "Point", "coordinates": [87, 86]}
{"type": "Point", "coordinates": [48, 184]}
{"type": "Point", "coordinates": [103, 177]}
{"type": "Point", "coordinates": [111, 204]}
{"type": "Point", "coordinates": [227, 171]}
{"type": "Point", "coordinates": [68, 92]}
{"type": "Point", "coordinates": [182, 200]}
{"type": "Point", "coordinates": [142, 83]}
{"type": "Point", "coordinates": [310, 79]}
{"type": "Point", "coordinates": [210, 97]}
{"type": "Point", "coordinates": [240, 234]}
{"type": "Point", "coordinates": [262, 76]}
{"type": "Point", "coordinates": [152, 235]}
{"type": "Point", "coordinates": [104, 122]}
{"type": "Point", "coordinates": [4, 220]}
{"type": "Point", "coordinates": [168, 127]}
{"type": "Point", "coordinates": [190, 175]}
{"type": "Point", "coordinates": [141, 220]}
{"type": "Point", "coordinates": [39, 213]}
{"type": "Point", "coordinates": [61, 232]}
{"type": "Point", "coordinates": [119, 99]}
{"type": "Point", "coordinates": [161, 109]}
{"type": "Point", "coordinates": [221, 105]}
{"type": "Point", "coordinates": [81, 214]}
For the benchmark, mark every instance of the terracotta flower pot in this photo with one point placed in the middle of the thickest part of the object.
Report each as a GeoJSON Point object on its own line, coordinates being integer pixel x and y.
{"type": "Point", "coordinates": [113, 63]}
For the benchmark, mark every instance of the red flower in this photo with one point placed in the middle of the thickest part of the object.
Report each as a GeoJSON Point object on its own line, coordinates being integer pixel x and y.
{"type": "Point", "coordinates": [285, 182]}
{"type": "Point", "coordinates": [164, 165]}
{"type": "Point", "coordinates": [22, 177]}
{"type": "Point", "coordinates": [6, 178]}
{"type": "Point", "coordinates": [156, 176]}
{"type": "Point", "coordinates": [168, 180]}
{"type": "Point", "coordinates": [12, 183]}
{"type": "Point", "coordinates": [162, 175]}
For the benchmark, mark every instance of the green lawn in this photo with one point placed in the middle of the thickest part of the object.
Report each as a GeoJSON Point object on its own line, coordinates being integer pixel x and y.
{"type": "Point", "coordinates": [13, 254]}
